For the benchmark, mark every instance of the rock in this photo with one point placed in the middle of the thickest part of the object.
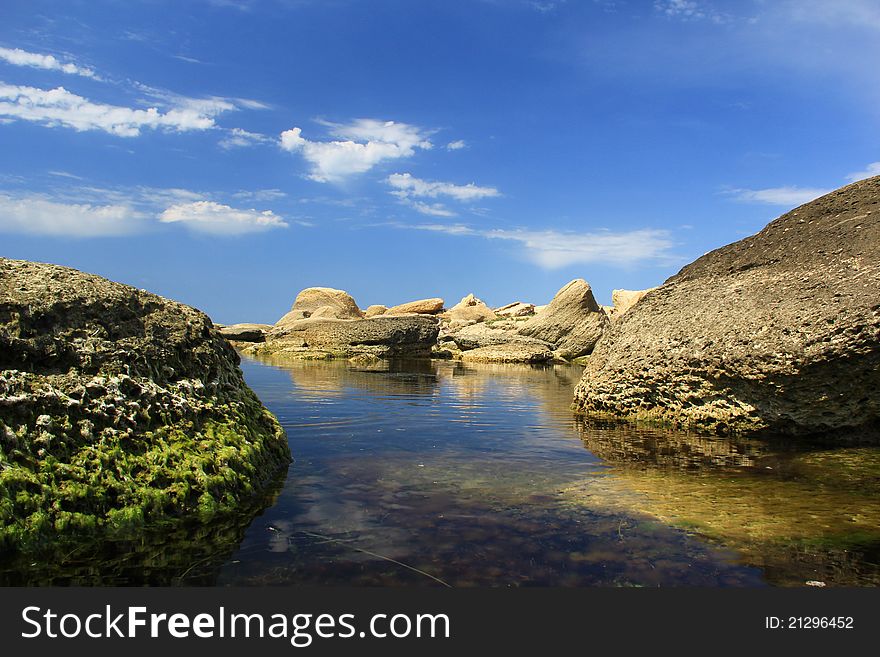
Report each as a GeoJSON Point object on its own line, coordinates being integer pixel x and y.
{"type": "Point", "coordinates": [573, 321]}
{"type": "Point", "coordinates": [420, 307]}
{"type": "Point", "coordinates": [364, 360]}
{"type": "Point", "coordinates": [116, 407]}
{"type": "Point", "coordinates": [408, 336]}
{"type": "Point", "coordinates": [778, 333]}
{"type": "Point", "coordinates": [375, 311]}
{"type": "Point", "coordinates": [516, 309]}
{"type": "Point", "coordinates": [477, 336]}
{"type": "Point", "coordinates": [623, 300]}
{"type": "Point", "coordinates": [245, 332]}
{"type": "Point", "coordinates": [509, 352]}
{"type": "Point", "coordinates": [330, 302]}
{"type": "Point", "coordinates": [470, 309]}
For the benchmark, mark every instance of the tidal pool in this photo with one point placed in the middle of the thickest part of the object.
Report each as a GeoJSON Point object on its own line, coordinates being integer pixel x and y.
{"type": "Point", "coordinates": [439, 473]}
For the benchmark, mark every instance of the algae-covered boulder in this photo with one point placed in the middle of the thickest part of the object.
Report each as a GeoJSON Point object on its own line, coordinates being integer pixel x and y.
{"type": "Point", "coordinates": [118, 406]}
{"type": "Point", "coordinates": [779, 332]}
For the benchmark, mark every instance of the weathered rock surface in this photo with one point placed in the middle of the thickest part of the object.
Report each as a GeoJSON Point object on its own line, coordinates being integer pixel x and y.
{"type": "Point", "coordinates": [516, 309]}
{"type": "Point", "coordinates": [476, 336]}
{"type": "Point", "coordinates": [572, 321]}
{"type": "Point", "coordinates": [470, 308]}
{"type": "Point", "coordinates": [623, 300]}
{"type": "Point", "coordinates": [431, 306]}
{"type": "Point", "coordinates": [508, 352]}
{"type": "Point", "coordinates": [779, 332]}
{"type": "Point", "coordinates": [118, 406]}
{"type": "Point", "coordinates": [407, 336]}
{"type": "Point", "coordinates": [375, 310]}
{"type": "Point", "coordinates": [245, 332]}
{"type": "Point", "coordinates": [326, 301]}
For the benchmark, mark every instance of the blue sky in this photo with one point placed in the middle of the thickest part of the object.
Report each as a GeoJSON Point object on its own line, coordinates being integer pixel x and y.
{"type": "Point", "coordinates": [228, 154]}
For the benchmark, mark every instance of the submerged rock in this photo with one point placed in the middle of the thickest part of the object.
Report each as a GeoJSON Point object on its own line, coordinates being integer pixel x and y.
{"type": "Point", "coordinates": [573, 321]}
{"type": "Point", "coordinates": [779, 332]}
{"type": "Point", "coordinates": [118, 406]}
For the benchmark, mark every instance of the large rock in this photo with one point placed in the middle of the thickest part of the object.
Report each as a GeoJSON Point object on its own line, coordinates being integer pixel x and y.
{"type": "Point", "coordinates": [118, 406]}
{"type": "Point", "coordinates": [509, 352]}
{"type": "Point", "coordinates": [779, 332]}
{"type": "Point", "coordinates": [245, 332]}
{"type": "Point", "coordinates": [573, 321]}
{"type": "Point", "coordinates": [516, 309]}
{"type": "Point", "coordinates": [375, 310]}
{"type": "Point", "coordinates": [431, 306]}
{"type": "Point", "coordinates": [470, 308]}
{"type": "Point", "coordinates": [325, 301]}
{"type": "Point", "coordinates": [408, 336]}
{"type": "Point", "coordinates": [623, 300]}
{"type": "Point", "coordinates": [477, 336]}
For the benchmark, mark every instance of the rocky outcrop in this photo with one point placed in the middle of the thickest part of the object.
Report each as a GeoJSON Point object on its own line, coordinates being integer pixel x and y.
{"type": "Point", "coordinates": [421, 307]}
{"type": "Point", "coordinates": [406, 336]}
{"type": "Point", "coordinates": [476, 336]}
{"type": "Point", "coordinates": [471, 309]}
{"type": "Point", "coordinates": [573, 321]}
{"type": "Point", "coordinates": [779, 332]}
{"type": "Point", "coordinates": [623, 300]}
{"type": "Point", "coordinates": [245, 332]}
{"type": "Point", "coordinates": [516, 309]}
{"type": "Point", "coordinates": [118, 407]}
{"type": "Point", "coordinates": [375, 311]}
{"type": "Point", "coordinates": [509, 352]}
{"type": "Point", "coordinates": [322, 302]}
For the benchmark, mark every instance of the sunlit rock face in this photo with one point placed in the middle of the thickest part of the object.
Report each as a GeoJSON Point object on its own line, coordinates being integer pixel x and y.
{"type": "Point", "coordinates": [117, 407]}
{"type": "Point", "coordinates": [777, 333]}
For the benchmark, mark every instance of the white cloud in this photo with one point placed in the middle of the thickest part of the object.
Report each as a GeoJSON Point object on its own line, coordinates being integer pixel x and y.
{"type": "Point", "coordinates": [870, 171]}
{"type": "Point", "coordinates": [406, 186]}
{"type": "Point", "coordinates": [432, 209]}
{"type": "Point", "coordinates": [217, 219]}
{"type": "Point", "coordinates": [59, 107]}
{"type": "Point", "coordinates": [362, 145]}
{"type": "Point", "coordinates": [552, 249]}
{"type": "Point", "coordinates": [238, 138]}
{"type": "Point", "coordinates": [19, 57]}
{"type": "Point", "coordinates": [36, 215]}
{"type": "Point", "coordinates": [789, 196]}
{"type": "Point", "coordinates": [689, 10]}
{"type": "Point", "coordinates": [260, 195]}
{"type": "Point", "coordinates": [456, 145]}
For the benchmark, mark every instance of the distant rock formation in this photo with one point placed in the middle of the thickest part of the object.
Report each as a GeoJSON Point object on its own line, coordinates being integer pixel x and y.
{"type": "Point", "coordinates": [573, 321]}
{"type": "Point", "coordinates": [375, 310]}
{"type": "Point", "coordinates": [779, 332]}
{"type": "Point", "coordinates": [118, 407]}
{"type": "Point", "coordinates": [245, 332]}
{"type": "Point", "coordinates": [623, 300]}
{"type": "Point", "coordinates": [516, 309]}
{"type": "Point", "coordinates": [322, 302]}
{"type": "Point", "coordinates": [470, 308]}
{"type": "Point", "coordinates": [431, 306]}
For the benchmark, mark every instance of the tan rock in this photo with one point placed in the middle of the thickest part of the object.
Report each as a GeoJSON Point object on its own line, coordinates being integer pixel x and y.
{"type": "Point", "coordinates": [421, 307]}
{"type": "Point", "coordinates": [375, 311]}
{"type": "Point", "coordinates": [625, 299]}
{"type": "Point", "coordinates": [332, 303]}
{"type": "Point", "coordinates": [509, 352]}
{"type": "Point", "coordinates": [516, 309]}
{"type": "Point", "coordinates": [245, 332]}
{"type": "Point", "coordinates": [573, 321]}
{"type": "Point", "coordinates": [470, 308]}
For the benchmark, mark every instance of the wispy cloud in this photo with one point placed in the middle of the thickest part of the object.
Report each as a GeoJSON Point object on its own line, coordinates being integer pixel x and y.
{"type": "Point", "coordinates": [788, 196]}
{"type": "Point", "coordinates": [217, 219]}
{"type": "Point", "coordinates": [407, 186]}
{"type": "Point", "coordinates": [456, 145]}
{"type": "Point", "coordinates": [260, 195]}
{"type": "Point", "coordinates": [870, 171]}
{"type": "Point", "coordinates": [59, 107]}
{"type": "Point", "coordinates": [690, 10]}
{"type": "Point", "coordinates": [553, 249]}
{"type": "Point", "coordinates": [362, 145]}
{"type": "Point", "coordinates": [37, 215]}
{"type": "Point", "coordinates": [238, 138]}
{"type": "Point", "coordinates": [19, 57]}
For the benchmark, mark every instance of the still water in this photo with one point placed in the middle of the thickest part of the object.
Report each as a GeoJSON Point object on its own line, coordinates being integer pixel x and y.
{"type": "Point", "coordinates": [438, 473]}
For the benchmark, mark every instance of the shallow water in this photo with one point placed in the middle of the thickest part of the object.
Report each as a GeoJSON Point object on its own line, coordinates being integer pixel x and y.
{"type": "Point", "coordinates": [440, 473]}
